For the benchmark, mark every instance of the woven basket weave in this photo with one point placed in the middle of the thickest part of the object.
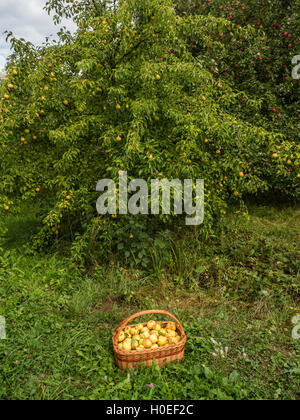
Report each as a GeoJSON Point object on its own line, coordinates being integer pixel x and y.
{"type": "Point", "coordinates": [162, 355]}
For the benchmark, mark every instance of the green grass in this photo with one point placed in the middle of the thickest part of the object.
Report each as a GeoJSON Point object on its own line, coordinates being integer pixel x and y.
{"type": "Point", "coordinates": [242, 290]}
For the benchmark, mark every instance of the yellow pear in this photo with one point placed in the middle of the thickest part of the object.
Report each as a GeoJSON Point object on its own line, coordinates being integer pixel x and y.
{"type": "Point", "coordinates": [147, 343]}
{"type": "Point", "coordinates": [171, 326]}
{"type": "Point", "coordinates": [140, 348]}
{"type": "Point", "coordinates": [146, 334]}
{"type": "Point", "coordinates": [127, 344]}
{"type": "Point", "coordinates": [134, 344]}
{"type": "Point", "coordinates": [127, 330]}
{"type": "Point", "coordinates": [171, 333]}
{"type": "Point", "coordinates": [169, 339]}
{"type": "Point", "coordinates": [145, 329]}
{"type": "Point", "coordinates": [162, 340]}
{"type": "Point", "coordinates": [153, 337]}
{"type": "Point", "coordinates": [157, 327]}
{"type": "Point", "coordinates": [151, 324]}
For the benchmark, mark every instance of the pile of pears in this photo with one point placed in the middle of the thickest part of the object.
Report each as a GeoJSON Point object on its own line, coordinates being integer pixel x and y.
{"type": "Point", "coordinates": [152, 336]}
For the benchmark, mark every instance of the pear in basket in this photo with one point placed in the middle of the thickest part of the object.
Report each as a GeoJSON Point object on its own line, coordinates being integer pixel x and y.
{"type": "Point", "coordinates": [177, 339]}
{"type": "Point", "coordinates": [133, 331]}
{"type": "Point", "coordinates": [162, 340]}
{"type": "Point", "coordinates": [147, 343]}
{"type": "Point", "coordinates": [171, 326]}
{"type": "Point", "coordinates": [127, 330]}
{"type": "Point", "coordinates": [146, 334]}
{"type": "Point", "coordinates": [127, 344]}
{"type": "Point", "coordinates": [171, 333]}
{"type": "Point", "coordinates": [134, 344]}
{"type": "Point", "coordinates": [157, 327]}
{"type": "Point", "coordinates": [145, 329]}
{"type": "Point", "coordinates": [154, 338]}
{"type": "Point", "coordinates": [151, 324]}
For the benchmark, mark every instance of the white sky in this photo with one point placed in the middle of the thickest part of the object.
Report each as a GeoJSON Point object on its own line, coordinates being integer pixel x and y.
{"type": "Point", "coordinates": [26, 19]}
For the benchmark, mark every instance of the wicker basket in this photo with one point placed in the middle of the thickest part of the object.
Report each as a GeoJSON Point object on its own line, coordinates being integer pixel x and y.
{"type": "Point", "coordinates": [162, 355]}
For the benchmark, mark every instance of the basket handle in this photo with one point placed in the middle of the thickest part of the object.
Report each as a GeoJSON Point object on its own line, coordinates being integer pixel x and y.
{"type": "Point", "coordinates": [151, 311]}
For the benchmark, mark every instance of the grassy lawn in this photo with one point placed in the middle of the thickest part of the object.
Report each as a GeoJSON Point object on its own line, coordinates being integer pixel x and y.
{"type": "Point", "coordinates": [241, 289]}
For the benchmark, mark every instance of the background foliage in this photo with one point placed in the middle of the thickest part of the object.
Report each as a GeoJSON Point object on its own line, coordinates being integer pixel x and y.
{"type": "Point", "coordinates": [160, 91]}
